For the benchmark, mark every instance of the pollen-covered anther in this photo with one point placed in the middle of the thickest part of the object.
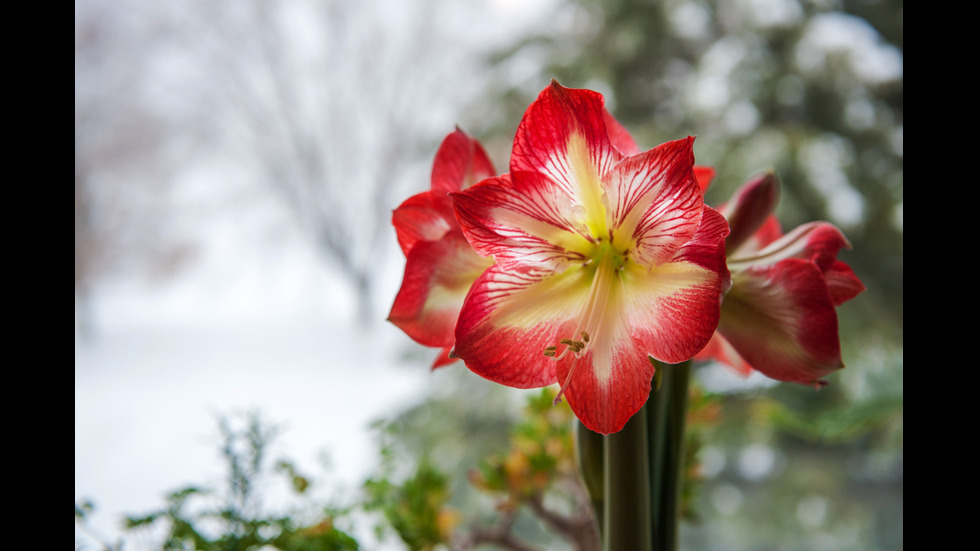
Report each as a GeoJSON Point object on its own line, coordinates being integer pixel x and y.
{"type": "Point", "coordinates": [574, 346]}
{"type": "Point", "coordinates": [571, 345]}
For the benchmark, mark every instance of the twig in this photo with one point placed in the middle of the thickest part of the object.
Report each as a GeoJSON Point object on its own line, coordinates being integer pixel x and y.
{"type": "Point", "coordinates": [499, 534]}
{"type": "Point", "coordinates": [580, 529]}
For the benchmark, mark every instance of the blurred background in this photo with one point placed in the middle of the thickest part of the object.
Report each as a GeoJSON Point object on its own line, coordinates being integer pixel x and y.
{"type": "Point", "coordinates": [236, 164]}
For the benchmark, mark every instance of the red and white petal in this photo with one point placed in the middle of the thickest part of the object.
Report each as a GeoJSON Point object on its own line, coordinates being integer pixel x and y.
{"type": "Point", "coordinates": [422, 217]}
{"type": "Point", "coordinates": [563, 136]}
{"type": "Point", "coordinates": [781, 320]}
{"type": "Point", "coordinates": [623, 141]}
{"type": "Point", "coordinates": [842, 283]}
{"type": "Point", "coordinates": [522, 219]}
{"type": "Point", "coordinates": [770, 231]}
{"type": "Point", "coordinates": [604, 397]}
{"type": "Point", "coordinates": [749, 208]}
{"type": "Point", "coordinates": [707, 247]}
{"type": "Point", "coordinates": [610, 381]}
{"type": "Point", "coordinates": [510, 317]}
{"type": "Point", "coordinates": [673, 309]}
{"type": "Point", "coordinates": [438, 274]}
{"type": "Point", "coordinates": [460, 162]}
{"type": "Point", "coordinates": [654, 202]}
{"type": "Point", "coordinates": [822, 242]}
{"type": "Point", "coordinates": [816, 241]}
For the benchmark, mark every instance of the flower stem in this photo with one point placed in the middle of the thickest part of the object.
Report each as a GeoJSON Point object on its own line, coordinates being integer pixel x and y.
{"type": "Point", "coordinates": [589, 449]}
{"type": "Point", "coordinates": [626, 478]}
{"type": "Point", "coordinates": [666, 416]}
{"type": "Point", "coordinates": [634, 477]}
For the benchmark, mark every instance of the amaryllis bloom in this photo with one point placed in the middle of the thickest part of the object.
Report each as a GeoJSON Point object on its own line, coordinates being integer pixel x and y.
{"type": "Point", "coordinates": [780, 315]}
{"type": "Point", "coordinates": [440, 265]}
{"type": "Point", "coordinates": [603, 260]}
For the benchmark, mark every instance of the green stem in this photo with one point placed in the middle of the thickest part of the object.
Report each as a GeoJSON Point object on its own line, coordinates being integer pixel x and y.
{"type": "Point", "coordinates": [634, 477]}
{"type": "Point", "coordinates": [626, 477]}
{"type": "Point", "coordinates": [656, 411]}
{"type": "Point", "coordinates": [589, 448]}
{"type": "Point", "coordinates": [666, 423]}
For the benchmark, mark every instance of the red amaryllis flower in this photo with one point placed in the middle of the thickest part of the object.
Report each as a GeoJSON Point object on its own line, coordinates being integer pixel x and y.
{"type": "Point", "coordinates": [780, 315]}
{"type": "Point", "coordinates": [440, 265]}
{"type": "Point", "coordinates": [603, 260]}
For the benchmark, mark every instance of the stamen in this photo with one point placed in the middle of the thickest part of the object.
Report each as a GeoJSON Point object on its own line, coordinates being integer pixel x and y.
{"type": "Point", "coordinates": [564, 385]}
{"type": "Point", "coordinates": [575, 346]}
{"type": "Point", "coordinates": [559, 356]}
{"type": "Point", "coordinates": [591, 322]}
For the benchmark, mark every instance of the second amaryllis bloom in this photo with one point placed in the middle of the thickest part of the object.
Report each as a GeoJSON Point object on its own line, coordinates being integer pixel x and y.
{"type": "Point", "coordinates": [440, 265]}
{"type": "Point", "coordinates": [603, 260]}
{"type": "Point", "coordinates": [780, 316]}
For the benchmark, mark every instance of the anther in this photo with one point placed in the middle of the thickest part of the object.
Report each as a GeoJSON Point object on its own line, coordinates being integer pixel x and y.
{"type": "Point", "coordinates": [585, 337]}
{"type": "Point", "coordinates": [574, 346]}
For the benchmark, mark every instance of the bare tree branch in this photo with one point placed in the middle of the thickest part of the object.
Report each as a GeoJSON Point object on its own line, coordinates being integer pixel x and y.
{"type": "Point", "coordinates": [499, 534]}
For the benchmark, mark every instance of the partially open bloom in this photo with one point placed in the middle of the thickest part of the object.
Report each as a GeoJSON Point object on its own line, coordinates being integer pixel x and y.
{"type": "Point", "coordinates": [603, 260]}
{"type": "Point", "coordinates": [780, 315]}
{"type": "Point", "coordinates": [440, 265]}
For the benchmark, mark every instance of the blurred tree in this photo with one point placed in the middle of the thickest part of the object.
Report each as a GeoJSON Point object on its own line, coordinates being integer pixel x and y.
{"type": "Point", "coordinates": [337, 106]}
{"type": "Point", "coordinates": [122, 183]}
{"type": "Point", "coordinates": [333, 104]}
{"type": "Point", "coordinates": [783, 470]}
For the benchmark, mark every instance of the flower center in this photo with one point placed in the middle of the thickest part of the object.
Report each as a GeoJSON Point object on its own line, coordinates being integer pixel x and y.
{"type": "Point", "coordinates": [606, 263]}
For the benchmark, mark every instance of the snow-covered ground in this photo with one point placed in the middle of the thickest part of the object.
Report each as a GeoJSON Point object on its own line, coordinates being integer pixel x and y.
{"type": "Point", "coordinates": [147, 400]}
